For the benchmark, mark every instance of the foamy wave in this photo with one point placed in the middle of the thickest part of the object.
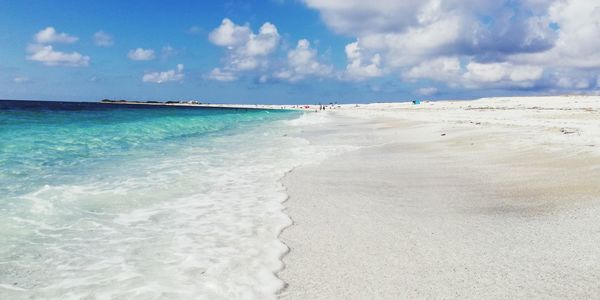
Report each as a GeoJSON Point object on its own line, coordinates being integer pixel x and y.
{"type": "Point", "coordinates": [200, 223]}
{"type": "Point", "coordinates": [310, 118]}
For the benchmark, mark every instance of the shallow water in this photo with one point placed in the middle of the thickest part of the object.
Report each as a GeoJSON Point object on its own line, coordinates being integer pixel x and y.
{"type": "Point", "coordinates": [108, 201]}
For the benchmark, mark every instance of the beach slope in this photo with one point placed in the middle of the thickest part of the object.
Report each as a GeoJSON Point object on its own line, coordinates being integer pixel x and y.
{"type": "Point", "coordinates": [496, 198]}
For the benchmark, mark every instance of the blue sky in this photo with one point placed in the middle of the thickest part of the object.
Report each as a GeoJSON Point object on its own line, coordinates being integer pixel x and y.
{"type": "Point", "coordinates": [297, 51]}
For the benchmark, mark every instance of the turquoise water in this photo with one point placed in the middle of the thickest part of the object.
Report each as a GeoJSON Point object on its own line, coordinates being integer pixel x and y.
{"type": "Point", "coordinates": [117, 201]}
{"type": "Point", "coordinates": [51, 144]}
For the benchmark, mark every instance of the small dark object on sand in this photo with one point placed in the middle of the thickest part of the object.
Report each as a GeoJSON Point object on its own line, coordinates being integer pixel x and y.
{"type": "Point", "coordinates": [443, 134]}
{"type": "Point", "coordinates": [568, 131]}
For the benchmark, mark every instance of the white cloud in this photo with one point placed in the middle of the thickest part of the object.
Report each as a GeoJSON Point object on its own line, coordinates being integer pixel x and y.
{"type": "Point", "coordinates": [415, 28]}
{"type": "Point", "coordinates": [496, 72]}
{"type": "Point", "coordinates": [264, 42]}
{"type": "Point", "coordinates": [526, 73]}
{"type": "Point", "coordinates": [444, 69]}
{"type": "Point", "coordinates": [401, 32]}
{"type": "Point", "coordinates": [493, 72]}
{"type": "Point", "coordinates": [572, 83]}
{"type": "Point", "coordinates": [21, 79]}
{"type": "Point", "coordinates": [44, 53]}
{"type": "Point", "coordinates": [141, 54]}
{"type": "Point", "coordinates": [473, 43]}
{"type": "Point", "coordinates": [359, 66]}
{"type": "Point", "coordinates": [302, 62]}
{"type": "Point", "coordinates": [195, 30]}
{"type": "Point", "coordinates": [50, 57]}
{"type": "Point", "coordinates": [427, 91]}
{"type": "Point", "coordinates": [411, 46]}
{"type": "Point", "coordinates": [474, 74]}
{"type": "Point", "coordinates": [229, 34]}
{"type": "Point", "coordinates": [577, 45]}
{"type": "Point", "coordinates": [103, 39]}
{"type": "Point", "coordinates": [246, 51]}
{"type": "Point", "coordinates": [358, 17]}
{"type": "Point", "coordinates": [220, 75]}
{"type": "Point", "coordinates": [50, 36]}
{"type": "Point", "coordinates": [166, 76]}
{"type": "Point", "coordinates": [168, 51]}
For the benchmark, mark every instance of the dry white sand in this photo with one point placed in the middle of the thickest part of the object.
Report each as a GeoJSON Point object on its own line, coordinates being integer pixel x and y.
{"type": "Point", "coordinates": [492, 199]}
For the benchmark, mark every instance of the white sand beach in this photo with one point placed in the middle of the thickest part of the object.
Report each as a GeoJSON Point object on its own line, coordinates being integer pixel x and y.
{"type": "Point", "coordinates": [497, 198]}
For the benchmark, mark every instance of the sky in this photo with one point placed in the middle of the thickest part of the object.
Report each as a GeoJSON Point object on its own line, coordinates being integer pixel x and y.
{"type": "Point", "coordinates": [297, 51]}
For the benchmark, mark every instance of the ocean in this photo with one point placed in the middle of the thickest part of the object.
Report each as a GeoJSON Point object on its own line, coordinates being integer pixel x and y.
{"type": "Point", "coordinates": [143, 202]}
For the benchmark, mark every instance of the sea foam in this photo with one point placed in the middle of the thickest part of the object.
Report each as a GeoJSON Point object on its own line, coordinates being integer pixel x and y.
{"type": "Point", "coordinates": [193, 217]}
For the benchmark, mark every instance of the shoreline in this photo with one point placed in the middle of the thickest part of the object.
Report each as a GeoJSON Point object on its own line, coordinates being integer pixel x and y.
{"type": "Point", "coordinates": [225, 106]}
{"type": "Point", "coordinates": [445, 199]}
{"type": "Point", "coordinates": [302, 107]}
{"type": "Point", "coordinates": [193, 202]}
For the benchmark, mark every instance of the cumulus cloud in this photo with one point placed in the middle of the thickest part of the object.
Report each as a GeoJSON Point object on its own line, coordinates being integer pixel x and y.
{"type": "Point", "coordinates": [577, 45]}
{"type": "Point", "coordinates": [359, 65]}
{"type": "Point", "coordinates": [246, 50]}
{"type": "Point", "coordinates": [41, 51]}
{"type": "Point", "coordinates": [166, 76]}
{"type": "Point", "coordinates": [220, 75]}
{"type": "Point", "coordinates": [229, 34]}
{"type": "Point", "coordinates": [520, 75]}
{"type": "Point", "coordinates": [302, 62]}
{"type": "Point", "coordinates": [411, 29]}
{"type": "Point", "coordinates": [474, 43]}
{"type": "Point", "coordinates": [103, 39]}
{"type": "Point", "coordinates": [444, 69]}
{"type": "Point", "coordinates": [572, 83]}
{"type": "Point", "coordinates": [475, 74]}
{"type": "Point", "coordinates": [140, 54]}
{"type": "Point", "coordinates": [49, 35]}
{"type": "Point", "coordinates": [50, 57]}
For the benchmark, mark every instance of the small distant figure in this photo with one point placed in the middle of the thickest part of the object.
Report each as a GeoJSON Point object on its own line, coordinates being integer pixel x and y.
{"type": "Point", "coordinates": [415, 102]}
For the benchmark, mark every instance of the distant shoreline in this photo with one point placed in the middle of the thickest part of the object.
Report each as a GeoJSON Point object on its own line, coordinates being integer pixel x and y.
{"type": "Point", "coordinates": [185, 104]}
{"type": "Point", "coordinates": [209, 105]}
{"type": "Point", "coordinates": [299, 107]}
